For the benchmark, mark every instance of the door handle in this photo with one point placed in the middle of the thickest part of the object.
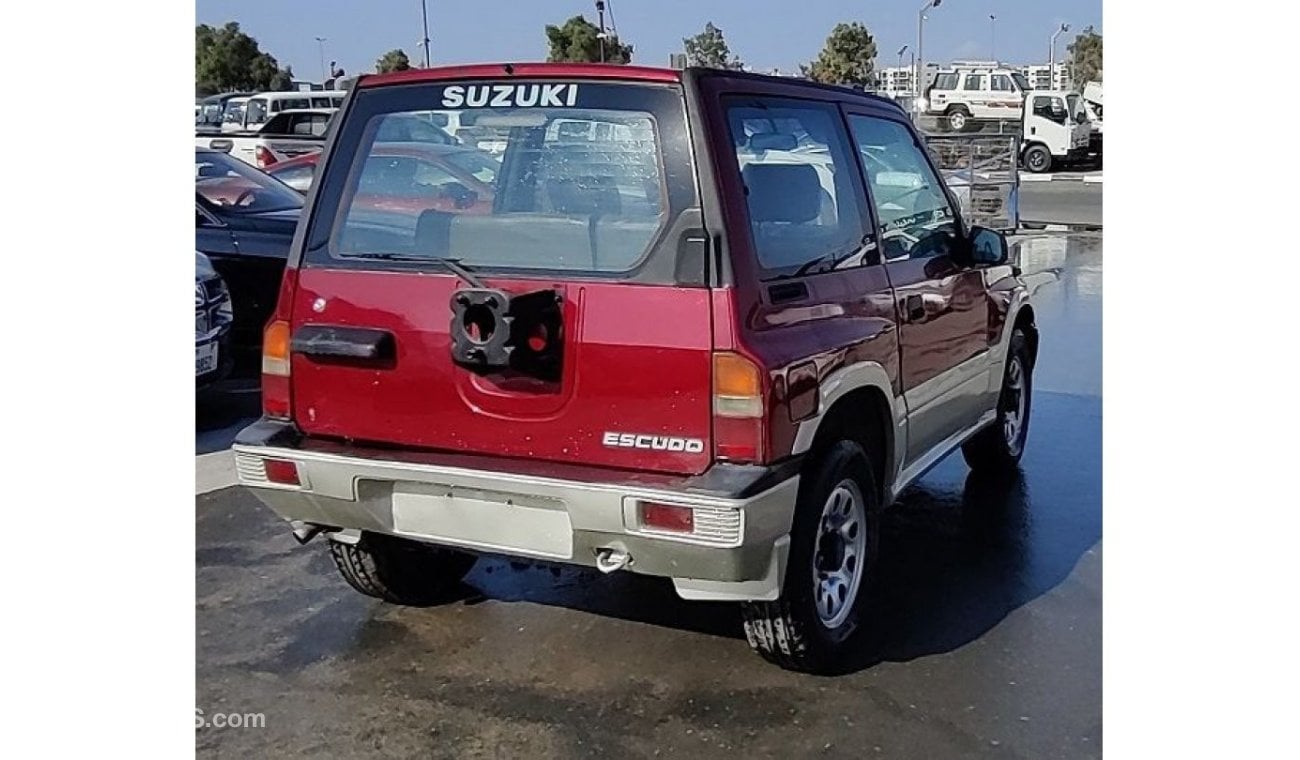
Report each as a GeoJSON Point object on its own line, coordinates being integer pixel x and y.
{"type": "Point", "coordinates": [914, 308]}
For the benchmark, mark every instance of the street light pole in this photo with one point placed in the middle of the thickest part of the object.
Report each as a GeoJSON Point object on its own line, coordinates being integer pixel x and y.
{"type": "Point", "coordinates": [1051, 56]}
{"type": "Point", "coordinates": [899, 71]}
{"type": "Point", "coordinates": [424, 12]}
{"type": "Point", "coordinates": [920, 42]}
{"type": "Point", "coordinates": [600, 12]}
{"type": "Point", "coordinates": [993, 37]}
{"type": "Point", "coordinates": [320, 42]}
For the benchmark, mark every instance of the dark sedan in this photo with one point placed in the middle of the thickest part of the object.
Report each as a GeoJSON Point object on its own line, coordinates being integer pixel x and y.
{"type": "Point", "coordinates": [244, 223]}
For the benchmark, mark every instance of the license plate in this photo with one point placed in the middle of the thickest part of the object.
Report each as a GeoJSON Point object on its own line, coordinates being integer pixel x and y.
{"type": "Point", "coordinates": [205, 359]}
{"type": "Point", "coordinates": [517, 524]}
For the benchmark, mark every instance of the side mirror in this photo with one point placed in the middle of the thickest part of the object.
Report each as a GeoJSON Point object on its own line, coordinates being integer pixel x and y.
{"type": "Point", "coordinates": [988, 247]}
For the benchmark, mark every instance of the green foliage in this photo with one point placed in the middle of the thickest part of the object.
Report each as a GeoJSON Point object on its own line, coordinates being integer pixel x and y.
{"type": "Point", "coordinates": [226, 59]}
{"type": "Point", "coordinates": [849, 57]}
{"type": "Point", "coordinates": [393, 60]}
{"type": "Point", "coordinates": [709, 48]}
{"type": "Point", "coordinates": [577, 41]}
{"type": "Point", "coordinates": [1085, 58]}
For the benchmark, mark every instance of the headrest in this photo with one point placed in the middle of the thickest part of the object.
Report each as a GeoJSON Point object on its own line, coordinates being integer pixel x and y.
{"type": "Point", "coordinates": [783, 192]}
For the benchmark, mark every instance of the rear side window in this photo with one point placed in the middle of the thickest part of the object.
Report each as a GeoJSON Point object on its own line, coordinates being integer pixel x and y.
{"type": "Point", "coordinates": [945, 82]}
{"type": "Point", "coordinates": [527, 193]}
{"type": "Point", "coordinates": [796, 163]}
{"type": "Point", "coordinates": [974, 82]}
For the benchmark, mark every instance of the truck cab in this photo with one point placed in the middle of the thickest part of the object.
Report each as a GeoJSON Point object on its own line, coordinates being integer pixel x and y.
{"type": "Point", "coordinates": [1056, 131]}
{"type": "Point", "coordinates": [702, 325]}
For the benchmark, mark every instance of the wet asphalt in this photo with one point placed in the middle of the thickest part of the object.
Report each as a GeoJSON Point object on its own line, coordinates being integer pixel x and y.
{"type": "Point", "coordinates": [987, 620]}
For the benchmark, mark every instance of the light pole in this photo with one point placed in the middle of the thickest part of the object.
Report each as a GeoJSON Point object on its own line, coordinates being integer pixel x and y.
{"type": "Point", "coordinates": [424, 43]}
{"type": "Point", "coordinates": [1051, 56]}
{"type": "Point", "coordinates": [898, 72]}
{"type": "Point", "coordinates": [600, 12]}
{"type": "Point", "coordinates": [993, 37]}
{"type": "Point", "coordinates": [920, 42]}
{"type": "Point", "coordinates": [320, 42]}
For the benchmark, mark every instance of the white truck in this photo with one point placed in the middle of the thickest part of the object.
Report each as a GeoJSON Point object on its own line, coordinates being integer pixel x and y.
{"type": "Point", "coordinates": [1054, 133]}
{"type": "Point", "coordinates": [283, 136]}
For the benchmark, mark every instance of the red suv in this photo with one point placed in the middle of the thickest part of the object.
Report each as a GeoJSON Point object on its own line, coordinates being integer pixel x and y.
{"type": "Point", "coordinates": [710, 325]}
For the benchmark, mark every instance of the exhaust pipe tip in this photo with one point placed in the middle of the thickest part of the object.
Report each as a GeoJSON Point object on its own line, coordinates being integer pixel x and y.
{"type": "Point", "coordinates": [304, 532]}
{"type": "Point", "coordinates": [610, 560]}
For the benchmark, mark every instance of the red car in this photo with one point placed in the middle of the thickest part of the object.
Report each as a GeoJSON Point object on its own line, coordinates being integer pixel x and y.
{"type": "Point", "coordinates": [401, 176]}
{"type": "Point", "coordinates": [696, 336]}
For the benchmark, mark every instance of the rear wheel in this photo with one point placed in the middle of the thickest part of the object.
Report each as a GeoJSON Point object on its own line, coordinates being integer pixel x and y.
{"type": "Point", "coordinates": [997, 448]}
{"type": "Point", "coordinates": [399, 570]}
{"type": "Point", "coordinates": [1037, 159]}
{"type": "Point", "coordinates": [833, 546]}
{"type": "Point", "coordinates": [958, 118]}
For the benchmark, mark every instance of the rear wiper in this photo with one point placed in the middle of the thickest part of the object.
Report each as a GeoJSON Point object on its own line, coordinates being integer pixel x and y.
{"type": "Point", "coordinates": [452, 265]}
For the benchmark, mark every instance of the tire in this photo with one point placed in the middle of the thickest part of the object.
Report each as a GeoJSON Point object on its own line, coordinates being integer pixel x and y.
{"type": "Point", "coordinates": [1037, 159]}
{"type": "Point", "coordinates": [399, 570]}
{"type": "Point", "coordinates": [997, 449]}
{"type": "Point", "coordinates": [801, 630]}
{"type": "Point", "coordinates": [958, 119]}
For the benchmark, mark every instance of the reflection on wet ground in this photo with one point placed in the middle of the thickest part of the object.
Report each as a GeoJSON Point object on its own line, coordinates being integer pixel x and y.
{"type": "Point", "coordinates": [987, 620]}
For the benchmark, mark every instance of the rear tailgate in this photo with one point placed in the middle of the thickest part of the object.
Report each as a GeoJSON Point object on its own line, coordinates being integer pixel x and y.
{"type": "Point", "coordinates": [591, 218]}
{"type": "Point", "coordinates": [636, 362]}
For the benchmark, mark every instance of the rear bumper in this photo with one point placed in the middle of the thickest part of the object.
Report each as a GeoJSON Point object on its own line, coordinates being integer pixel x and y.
{"type": "Point", "coordinates": [563, 513]}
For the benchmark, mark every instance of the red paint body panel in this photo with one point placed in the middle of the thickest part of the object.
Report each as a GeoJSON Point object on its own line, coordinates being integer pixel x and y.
{"type": "Point", "coordinates": [637, 360]}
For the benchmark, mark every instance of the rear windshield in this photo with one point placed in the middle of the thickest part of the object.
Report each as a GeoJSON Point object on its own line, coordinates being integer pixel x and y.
{"type": "Point", "coordinates": [559, 177]}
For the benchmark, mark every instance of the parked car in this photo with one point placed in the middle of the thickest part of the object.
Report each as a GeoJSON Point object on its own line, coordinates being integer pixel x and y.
{"type": "Point", "coordinates": [213, 317]}
{"type": "Point", "coordinates": [286, 135]}
{"type": "Point", "coordinates": [257, 109]}
{"type": "Point", "coordinates": [974, 90]}
{"type": "Point", "coordinates": [437, 176]}
{"type": "Point", "coordinates": [212, 110]}
{"type": "Point", "coordinates": [244, 222]}
{"type": "Point", "coordinates": [650, 356]}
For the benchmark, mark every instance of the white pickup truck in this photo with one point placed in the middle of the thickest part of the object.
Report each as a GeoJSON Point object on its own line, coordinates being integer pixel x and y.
{"type": "Point", "coordinates": [283, 136]}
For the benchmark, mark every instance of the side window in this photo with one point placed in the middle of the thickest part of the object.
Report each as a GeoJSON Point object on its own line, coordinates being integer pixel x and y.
{"type": "Point", "coordinates": [916, 218]}
{"type": "Point", "coordinates": [1050, 108]}
{"type": "Point", "coordinates": [974, 82]}
{"type": "Point", "coordinates": [1001, 83]}
{"type": "Point", "coordinates": [796, 163]}
{"type": "Point", "coordinates": [256, 112]}
{"type": "Point", "coordinates": [945, 82]}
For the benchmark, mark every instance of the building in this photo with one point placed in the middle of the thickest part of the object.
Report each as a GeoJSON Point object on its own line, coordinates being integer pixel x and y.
{"type": "Point", "coordinates": [1042, 78]}
{"type": "Point", "coordinates": [895, 80]}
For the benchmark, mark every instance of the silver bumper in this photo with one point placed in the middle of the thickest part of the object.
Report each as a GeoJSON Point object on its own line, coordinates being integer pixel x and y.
{"type": "Point", "coordinates": [737, 550]}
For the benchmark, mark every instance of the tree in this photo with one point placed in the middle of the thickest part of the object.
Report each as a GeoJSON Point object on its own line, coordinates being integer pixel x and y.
{"type": "Point", "coordinates": [578, 41]}
{"type": "Point", "coordinates": [393, 60]}
{"type": "Point", "coordinates": [1084, 63]}
{"type": "Point", "coordinates": [226, 59]}
{"type": "Point", "coordinates": [849, 57]}
{"type": "Point", "coordinates": [708, 48]}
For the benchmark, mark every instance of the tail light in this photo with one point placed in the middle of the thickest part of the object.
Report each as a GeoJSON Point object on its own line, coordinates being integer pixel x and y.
{"type": "Point", "coordinates": [739, 431]}
{"type": "Point", "coordinates": [264, 157]}
{"type": "Point", "coordinates": [276, 350]}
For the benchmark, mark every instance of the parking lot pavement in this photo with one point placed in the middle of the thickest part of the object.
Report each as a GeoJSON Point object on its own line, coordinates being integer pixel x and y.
{"type": "Point", "coordinates": [987, 619]}
{"type": "Point", "coordinates": [1070, 203]}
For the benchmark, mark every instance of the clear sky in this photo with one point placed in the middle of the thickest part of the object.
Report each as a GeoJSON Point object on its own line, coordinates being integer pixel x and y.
{"type": "Point", "coordinates": [764, 33]}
